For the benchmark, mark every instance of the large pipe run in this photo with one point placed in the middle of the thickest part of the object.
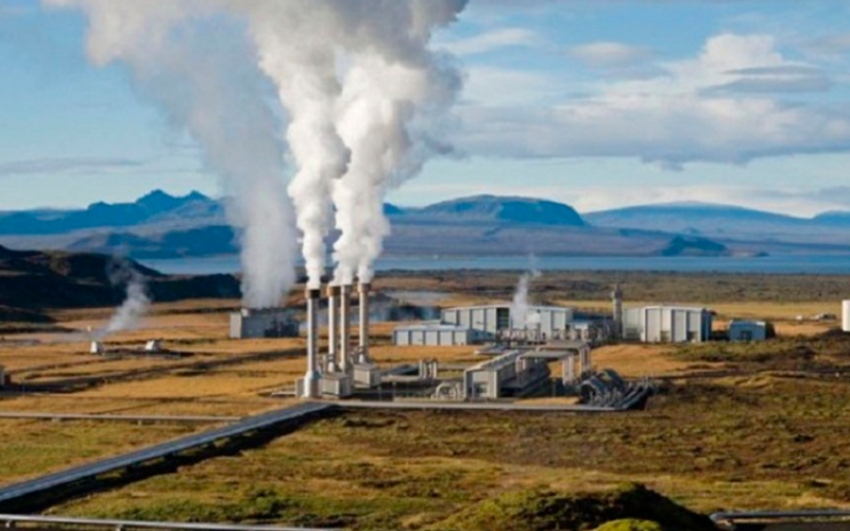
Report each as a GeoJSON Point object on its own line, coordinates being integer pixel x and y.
{"type": "Point", "coordinates": [364, 289]}
{"type": "Point", "coordinates": [345, 360]}
{"type": "Point", "coordinates": [312, 377]}
{"type": "Point", "coordinates": [333, 327]}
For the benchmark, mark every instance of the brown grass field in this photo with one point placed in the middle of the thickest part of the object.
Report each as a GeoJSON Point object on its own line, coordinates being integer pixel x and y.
{"type": "Point", "coordinates": [769, 432]}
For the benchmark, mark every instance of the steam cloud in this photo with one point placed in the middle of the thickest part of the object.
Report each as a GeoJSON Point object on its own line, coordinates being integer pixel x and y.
{"type": "Point", "coordinates": [520, 316]}
{"type": "Point", "coordinates": [135, 304]}
{"type": "Point", "coordinates": [360, 96]}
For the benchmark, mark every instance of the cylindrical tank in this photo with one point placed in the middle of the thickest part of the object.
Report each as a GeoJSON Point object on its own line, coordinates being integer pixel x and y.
{"type": "Point", "coordinates": [845, 316]}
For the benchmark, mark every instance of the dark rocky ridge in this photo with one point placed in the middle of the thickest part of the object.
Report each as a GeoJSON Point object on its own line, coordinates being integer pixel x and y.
{"type": "Point", "coordinates": [32, 282]}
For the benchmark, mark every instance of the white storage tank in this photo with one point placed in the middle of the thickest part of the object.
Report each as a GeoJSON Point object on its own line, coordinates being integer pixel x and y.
{"type": "Point", "coordinates": [845, 316]}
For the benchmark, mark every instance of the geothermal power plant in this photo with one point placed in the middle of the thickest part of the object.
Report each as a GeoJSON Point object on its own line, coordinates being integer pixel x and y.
{"type": "Point", "coordinates": [343, 365]}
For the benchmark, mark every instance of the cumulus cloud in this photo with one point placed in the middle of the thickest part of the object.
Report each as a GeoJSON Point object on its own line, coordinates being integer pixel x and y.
{"type": "Point", "coordinates": [713, 107]}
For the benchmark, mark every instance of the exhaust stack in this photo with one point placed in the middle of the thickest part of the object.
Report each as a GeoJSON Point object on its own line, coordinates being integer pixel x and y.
{"type": "Point", "coordinates": [364, 288]}
{"type": "Point", "coordinates": [333, 328]}
{"type": "Point", "coordinates": [311, 379]}
{"type": "Point", "coordinates": [345, 328]}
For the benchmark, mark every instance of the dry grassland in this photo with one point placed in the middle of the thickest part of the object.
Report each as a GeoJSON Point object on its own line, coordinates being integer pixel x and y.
{"type": "Point", "coordinates": [31, 448]}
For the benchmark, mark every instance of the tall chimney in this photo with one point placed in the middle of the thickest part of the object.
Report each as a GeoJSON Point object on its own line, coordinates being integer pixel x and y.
{"type": "Point", "coordinates": [345, 328]}
{"type": "Point", "coordinates": [311, 378]}
{"type": "Point", "coordinates": [617, 299]}
{"type": "Point", "coordinates": [333, 327]}
{"type": "Point", "coordinates": [364, 289]}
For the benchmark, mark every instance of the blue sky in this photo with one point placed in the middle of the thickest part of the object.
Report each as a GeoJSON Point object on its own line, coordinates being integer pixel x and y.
{"type": "Point", "coordinates": [595, 103]}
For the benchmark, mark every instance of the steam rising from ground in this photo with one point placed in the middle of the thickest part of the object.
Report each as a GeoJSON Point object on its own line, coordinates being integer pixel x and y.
{"type": "Point", "coordinates": [520, 316]}
{"type": "Point", "coordinates": [355, 79]}
{"type": "Point", "coordinates": [135, 304]}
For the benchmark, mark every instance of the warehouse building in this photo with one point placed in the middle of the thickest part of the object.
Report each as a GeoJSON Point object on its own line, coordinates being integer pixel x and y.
{"type": "Point", "coordinates": [269, 323]}
{"type": "Point", "coordinates": [436, 335]}
{"type": "Point", "coordinates": [740, 330]}
{"type": "Point", "coordinates": [667, 324]}
{"type": "Point", "coordinates": [548, 320]}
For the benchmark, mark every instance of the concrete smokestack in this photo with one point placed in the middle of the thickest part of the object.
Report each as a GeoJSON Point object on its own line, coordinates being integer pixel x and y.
{"type": "Point", "coordinates": [364, 288]}
{"type": "Point", "coordinates": [311, 378]}
{"type": "Point", "coordinates": [333, 327]}
{"type": "Point", "coordinates": [345, 327]}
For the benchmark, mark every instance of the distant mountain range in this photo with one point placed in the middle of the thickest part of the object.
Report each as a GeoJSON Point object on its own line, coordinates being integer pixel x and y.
{"type": "Point", "coordinates": [159, 225]}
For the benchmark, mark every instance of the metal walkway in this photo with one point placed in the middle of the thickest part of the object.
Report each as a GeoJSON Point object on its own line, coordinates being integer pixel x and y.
{"type": "Point", "coordinates": [11, 521]}
{"type": "Point", "coordinates": [477, 406]}
{"type": "Point", "coordinates": [83, 472]}
{"type": "Point", "coordinates": [801, 519]}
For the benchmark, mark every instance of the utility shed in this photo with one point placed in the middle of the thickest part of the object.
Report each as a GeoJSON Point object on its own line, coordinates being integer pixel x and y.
{"type": "Point", "coordinates": [267, 323]}
{"type": "Point", "coordinates": [740, 330]}
{"type": "Point", "coordinates": [667, 324]}
{"type": "Point", "coordinates": [436, 335]}
{"type": "Point", "coordinates": [549, 320]}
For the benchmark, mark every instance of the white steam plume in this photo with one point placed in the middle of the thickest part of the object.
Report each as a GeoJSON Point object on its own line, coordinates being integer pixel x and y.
{"type": "Point", "coordinates": [297, 51]}
{"type": "Point", "coordinates": [361, 87]}
{"type": "Point", "coordinates": [196, 62]}
{"type": "Point", "coordinates": [520, 317]}
{"type": "Point", "coordinates": [136, 302]}
{"type": "Point", "coordinates": [392, 92]}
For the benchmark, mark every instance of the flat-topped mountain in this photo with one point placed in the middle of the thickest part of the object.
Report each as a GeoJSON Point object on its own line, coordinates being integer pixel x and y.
{"type": "Point", "coordinates": [506, 210]}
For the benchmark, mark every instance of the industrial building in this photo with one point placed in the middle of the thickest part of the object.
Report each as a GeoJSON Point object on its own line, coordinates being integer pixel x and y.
{"type": "Point", "coordinates": [549, 320]}
{"type": "Point", "coordinates": [741, 330]}
{"type": "Point", "coordinates": [511, 374]}
{"type": "Point", "coordinates": [667, 324]}
{"type": "Point", "coordinates": [437, 335]}
{"type": "Point", "coordinates": [267, 323]}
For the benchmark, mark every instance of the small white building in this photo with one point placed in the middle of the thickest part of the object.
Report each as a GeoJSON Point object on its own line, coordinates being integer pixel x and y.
{"type": "Point", "coordinates": [267, 323]}
{"type": "Point", "coordinates": [548, 320]}
{"type": "Point", "coordinates": [667, 324]}
{"type": "Point", "coordinates": [436, 335]}
{"type": "Point", "coordinates": [845, 316]}
{"type": "Point", "coordinates": [741, 330]}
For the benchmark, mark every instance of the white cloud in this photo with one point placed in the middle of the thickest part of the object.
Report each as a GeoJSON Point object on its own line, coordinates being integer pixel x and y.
{"type": "Point", "coordinates": [66, 165]}
{"type": "Point", "coordinates": [701, 109]}
{"type": "Point", "coordinates": [493, 40]}
{"type": "Point", "coordinates": [609, 54]}
{"type": "Point", "coordinates": [497, 87]}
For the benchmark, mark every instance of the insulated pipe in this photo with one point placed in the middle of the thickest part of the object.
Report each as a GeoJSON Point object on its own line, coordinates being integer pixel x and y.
{"type": "Point", "coordinates": [345, 361]}
{"type": "Point", "coordinates": [311, 378]}
{"type": "Point", "coordinates": [364, 289]}
{"type": "Point", "coordinates": [333, 325]}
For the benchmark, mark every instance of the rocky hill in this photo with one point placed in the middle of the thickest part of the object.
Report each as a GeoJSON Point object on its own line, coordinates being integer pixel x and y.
{"type": "Point", "coordinates": [32, 282]}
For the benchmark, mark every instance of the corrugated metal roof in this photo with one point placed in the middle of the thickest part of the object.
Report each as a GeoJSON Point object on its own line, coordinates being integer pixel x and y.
{"type": "Point", "coordinates": [432, 328]}
{"type": "Point", "coordinates": [508, 307]}
{"type": "Point", "coordinates": [670, 307]}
